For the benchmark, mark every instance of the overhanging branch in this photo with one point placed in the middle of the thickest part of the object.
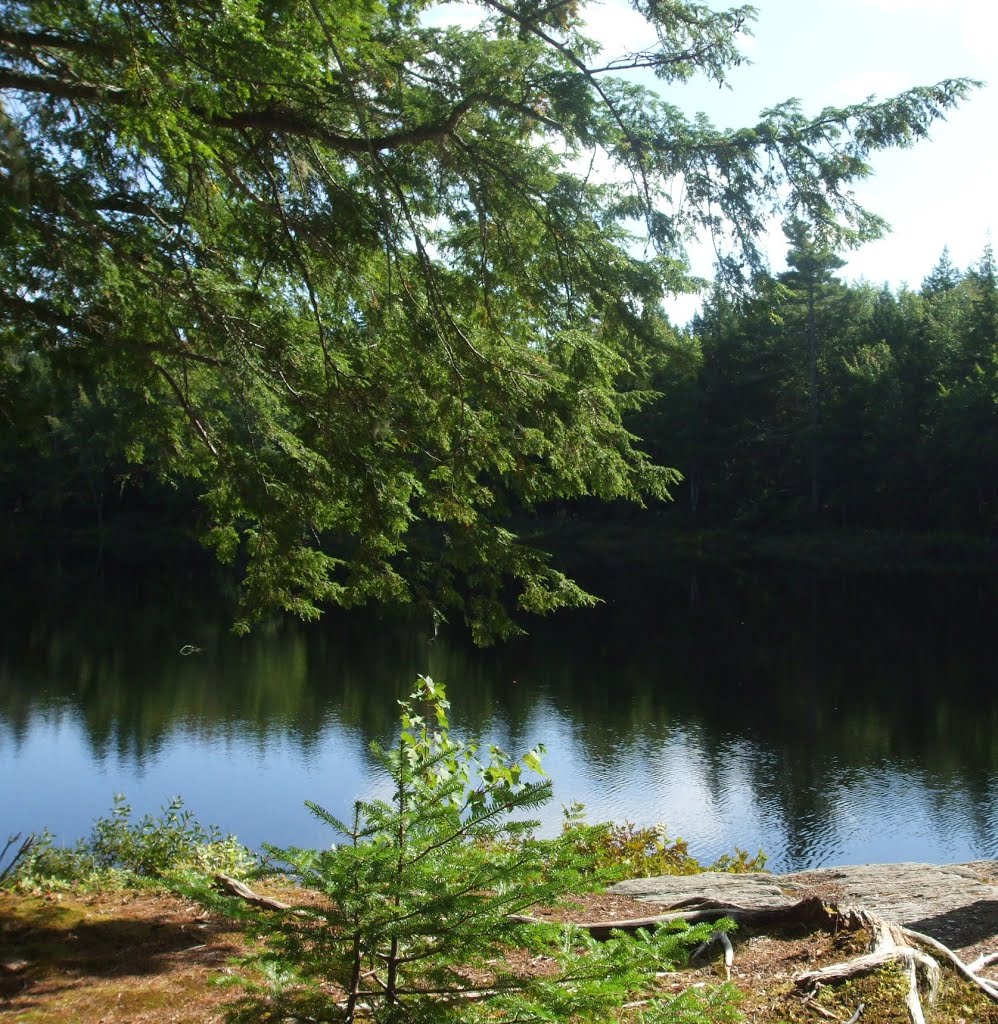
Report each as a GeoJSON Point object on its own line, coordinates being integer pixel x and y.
{"type": "Point", "coordinates": [273, 120]}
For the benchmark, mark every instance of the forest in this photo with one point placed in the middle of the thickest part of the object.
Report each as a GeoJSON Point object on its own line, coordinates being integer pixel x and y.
{"type": "Point", "coordinates": [803, 404]}
{"type": "Point", "coordinates": [811, 403]}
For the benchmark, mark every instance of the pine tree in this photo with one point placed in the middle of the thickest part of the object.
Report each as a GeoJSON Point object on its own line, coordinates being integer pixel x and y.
{"type": "Point", "coordinates": [411, 909]}
{"type": "Point", "coordinates": [812, 263]}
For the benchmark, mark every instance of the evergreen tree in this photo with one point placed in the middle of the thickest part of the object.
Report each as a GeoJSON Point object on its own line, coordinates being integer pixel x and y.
{"type": "Point", "coordinates": [944, 276]}
{"type": "Point", "coordinates": [968, 429]}
{"type": "Point", "coordinates": [344, 265]}
{"type": "Point", "coordinates": [812, 263]}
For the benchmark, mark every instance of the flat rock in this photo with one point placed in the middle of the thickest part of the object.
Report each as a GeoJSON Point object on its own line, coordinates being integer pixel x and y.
{"type": "Point", "coordinates": [755, 889]}
{"type": "Point", "coordinates": [955, 903]}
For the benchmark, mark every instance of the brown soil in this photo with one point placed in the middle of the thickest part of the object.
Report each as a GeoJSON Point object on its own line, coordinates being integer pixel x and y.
{"type": "Point", "coordinates": [112, 957]}
{"type": "Point", "coordinates": [116, 957]}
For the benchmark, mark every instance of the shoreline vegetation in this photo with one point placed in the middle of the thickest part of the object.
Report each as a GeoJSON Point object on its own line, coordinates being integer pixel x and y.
{"type": "Point", "coordinates": [639, 543]}
{"type": "Point", "coordinates": [437, 905]}
{"type": "Point", "coordinates": [633, 543]}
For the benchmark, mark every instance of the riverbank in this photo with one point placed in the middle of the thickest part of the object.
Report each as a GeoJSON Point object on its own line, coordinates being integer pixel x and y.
{"type": "Point", "coordinates": [138, 956]}
{"type": "Point", "coordinates": [638, 544]}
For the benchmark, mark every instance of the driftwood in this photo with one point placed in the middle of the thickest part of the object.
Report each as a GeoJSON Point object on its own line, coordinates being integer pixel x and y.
{"type": "Point", "coordinates": [810, 912]}
{"type": "Point", "coordinates": [236, 888]}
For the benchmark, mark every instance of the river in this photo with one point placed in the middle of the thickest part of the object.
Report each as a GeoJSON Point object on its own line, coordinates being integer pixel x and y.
{"type": "Point", "coordinates": [825, 719]}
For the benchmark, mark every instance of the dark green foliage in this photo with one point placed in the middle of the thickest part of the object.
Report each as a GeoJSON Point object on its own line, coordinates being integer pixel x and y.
{"type": "Point", "coordinates": [829, 405]}
{"type": "Point", "coordinates": [337, 270]}
{"type": "Point", "coordinates": [414, 904]}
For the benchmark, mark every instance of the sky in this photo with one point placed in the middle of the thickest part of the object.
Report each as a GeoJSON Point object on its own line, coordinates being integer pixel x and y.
{"type": "Point", "coordinates": [942, 192]}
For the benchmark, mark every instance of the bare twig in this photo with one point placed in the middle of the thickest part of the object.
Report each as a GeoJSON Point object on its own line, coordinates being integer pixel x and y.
{"type": "Point", "coordinates": [859, 1013]}
{"type": "Point", "coordinates": [26, 844]}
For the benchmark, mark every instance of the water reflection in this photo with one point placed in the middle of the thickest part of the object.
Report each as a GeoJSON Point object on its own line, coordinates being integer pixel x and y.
{"type": "Point", "coordinates": [828, 721]}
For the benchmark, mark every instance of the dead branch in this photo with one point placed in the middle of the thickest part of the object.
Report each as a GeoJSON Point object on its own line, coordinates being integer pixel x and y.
{"type": "Point", "coordinates": [984, 960]}
{"type": "Point", "coordinates": [819, 1009]}
{"type": "Point", "coordinates": [968, 972]}
{"type": "Point", "coordinates": [810, 912]}
{"type": "Point", "coordinates": [729, 953]}
{"type": "Point", "coordinates": [890, 945]}
{"type": "Point", "coordinates": [236, 888]}
{"type": "Point", "coordinates": [21, 851]}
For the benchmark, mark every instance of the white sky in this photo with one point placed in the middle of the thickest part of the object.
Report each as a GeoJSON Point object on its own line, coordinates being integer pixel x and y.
{"type": "Point", "coordinates": [941, 192]}
{"type": "Point", "coordinates": [944, 191]}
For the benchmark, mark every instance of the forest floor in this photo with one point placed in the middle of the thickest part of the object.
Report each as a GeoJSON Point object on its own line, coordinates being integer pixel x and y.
{"type": "Point", "coordinates": [148, 956]}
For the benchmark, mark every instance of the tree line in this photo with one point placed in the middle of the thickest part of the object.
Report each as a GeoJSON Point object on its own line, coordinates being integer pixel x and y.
{"type": "Point", "coordinates": [810, 402]}
{"type": "Point", "coordinates": [807, 402]}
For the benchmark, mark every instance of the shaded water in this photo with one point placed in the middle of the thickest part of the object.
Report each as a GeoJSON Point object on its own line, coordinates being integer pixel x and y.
{"type": "Point", "coordinates": [826, 720]}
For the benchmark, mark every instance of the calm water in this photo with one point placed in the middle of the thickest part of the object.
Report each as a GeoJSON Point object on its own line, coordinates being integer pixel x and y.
{"type": "Point", "coordinates": [825, 720]}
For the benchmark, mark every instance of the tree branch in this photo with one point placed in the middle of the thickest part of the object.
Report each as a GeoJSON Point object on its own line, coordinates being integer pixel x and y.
{"type": "Point", "coordinates": [274, 120]}
{"type": "Point", "coordinates": [187, 407]}
{"type": "Point", "coordinates": [46, 41]}
{"type": "Point", "coordinates": [16, 80]}
{"type": "Point", "coordinates": [288, 122]}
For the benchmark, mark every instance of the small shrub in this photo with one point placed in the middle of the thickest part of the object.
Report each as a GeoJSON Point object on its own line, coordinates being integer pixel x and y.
{"type": "Point", "coordinates": [615, 852]}
{"type": "Point", "coordinates": [50, 866]}
{"type": "Point", "coordinates": [416, 902]}
{"type": "Point", "coordinates": [155, 847]}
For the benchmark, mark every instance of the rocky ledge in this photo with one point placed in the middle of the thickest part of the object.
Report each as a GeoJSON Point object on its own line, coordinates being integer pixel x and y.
{"type": "Point", "coordinates": [955, 903]}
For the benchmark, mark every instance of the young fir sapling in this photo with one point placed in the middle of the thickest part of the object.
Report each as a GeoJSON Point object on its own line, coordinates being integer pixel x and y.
{"type": "Point", "coordinates": [414, 904]}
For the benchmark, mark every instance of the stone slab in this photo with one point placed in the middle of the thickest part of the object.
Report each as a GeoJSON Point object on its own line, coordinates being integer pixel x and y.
{"type": "Point", "coordinates": [755, 889]}
{"type": "Point", "coordinates": [955, 903]}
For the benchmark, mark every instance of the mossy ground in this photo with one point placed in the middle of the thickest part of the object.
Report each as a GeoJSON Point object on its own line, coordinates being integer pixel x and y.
{"type": "Point", "coordinates": [121, 955]}
{"type": "Point", "coordinates": [110, 957]}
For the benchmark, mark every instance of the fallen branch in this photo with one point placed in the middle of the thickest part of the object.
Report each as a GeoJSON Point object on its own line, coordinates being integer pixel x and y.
{"type": "Point", "coordinates": [236, 888]}
{"type": "Point", "coordinates": [968, 972]}
{"type": "Point", "coordinates": [865, 964]}
{"type": "Point", "coordinates": [721, 939]}
{"type": "Point", "coordinates": [729, 954]}
{"type": "Point", "coordinates": [812, 1004]}
{"type": "Point", "coordinates": [981, 962]}
{"type": "Point", "coordinates": [811, 912]}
